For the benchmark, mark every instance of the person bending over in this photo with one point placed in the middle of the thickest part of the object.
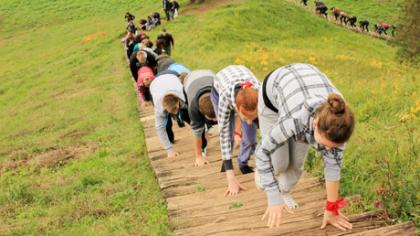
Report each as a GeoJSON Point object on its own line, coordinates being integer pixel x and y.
{"type": "Point", "coordinates": [364, 25]}
{"type": "Point", "coordinates": [168, 98]}
{"type": "Point", "coordinates": [197, 87]}
{"type": "Point", "coordinates": [180, 69]}
{"type": "Point", "coordinates": [144, 80]}
{"type": "Point", "coordinates": [139, 59]}
{"type": "Point", "coordinates": [298, 106]}
{"type": "Point", "coordinates": [164, 61]}
{"type": "Point", "coordinates": [235, 90]}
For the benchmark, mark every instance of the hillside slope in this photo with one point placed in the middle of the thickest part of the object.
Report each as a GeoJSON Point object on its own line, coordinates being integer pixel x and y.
{"type": "Point", "coordinates": [373, 10]}
{"type": "Point", "coordinates": [66, 91]}
{"type": "Point", "coordinates": [72, 156]}
{"type": "Point", "coordinates": [381, 160]}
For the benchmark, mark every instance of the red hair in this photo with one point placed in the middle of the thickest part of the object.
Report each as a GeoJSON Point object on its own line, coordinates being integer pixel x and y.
{"type": "Point", "coordinates": [247, 99]}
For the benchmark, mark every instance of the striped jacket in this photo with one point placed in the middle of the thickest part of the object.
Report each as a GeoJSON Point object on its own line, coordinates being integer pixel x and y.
{"type": "Point", "coordinates": [225, 83]}
{"type": "Point", "coordinates": [296, 91]}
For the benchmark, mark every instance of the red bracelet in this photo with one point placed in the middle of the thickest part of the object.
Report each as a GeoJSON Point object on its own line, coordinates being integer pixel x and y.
{"type": "Point", "coordinates": [334, 207]}
{"type": "Point", "coordinates": [237, 134]}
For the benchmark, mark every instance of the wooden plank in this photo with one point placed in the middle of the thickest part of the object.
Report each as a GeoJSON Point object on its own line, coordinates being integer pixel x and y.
{"type": "Point", "coordinates": [305, 224]}
{"type": "Point", "coordinates": [190, 185]}
{"type": "Point", "coordinates": [406, 229]}
{"type": "Point", "coordinates": [197, 206]}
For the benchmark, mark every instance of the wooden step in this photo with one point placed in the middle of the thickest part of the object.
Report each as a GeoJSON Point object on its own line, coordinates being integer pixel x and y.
{"type": "Point", "coordinates": [197, 206]}
{"type": "Point", "coordinates": [306, 224]}
{"type": "Point", "coordinates": [403, 229]}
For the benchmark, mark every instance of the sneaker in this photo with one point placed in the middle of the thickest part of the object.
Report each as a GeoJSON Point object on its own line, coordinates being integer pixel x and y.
{"type": "Point", "coordinates": [181, 123]}
{"type": "Point", "coordinates": [290, 202]}
{"type": "Point", "coordinates": [204, 152]}
{"type": "Point", "coordinates": [212, 130]}
{"type": "Point", "coordinates": [246, 169]}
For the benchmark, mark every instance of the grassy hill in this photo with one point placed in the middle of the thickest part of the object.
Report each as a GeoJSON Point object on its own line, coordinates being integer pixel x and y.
{"type": "Point", "coordinates": [373, 10]}
{"type": "Point", "coordinates": [65, 89]}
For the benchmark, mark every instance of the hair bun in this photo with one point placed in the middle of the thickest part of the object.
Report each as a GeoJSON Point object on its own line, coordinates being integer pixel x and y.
{"type": "Point", "coordinates": [337, 104]}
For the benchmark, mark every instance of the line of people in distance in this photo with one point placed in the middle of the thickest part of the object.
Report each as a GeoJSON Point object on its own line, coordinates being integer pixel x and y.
{"type": "Point", "coordinates": [347, 19]}
{"type": "Point", "coordinates": [170, 7]}
{"type": "Point", "coordinates": [295, 107]}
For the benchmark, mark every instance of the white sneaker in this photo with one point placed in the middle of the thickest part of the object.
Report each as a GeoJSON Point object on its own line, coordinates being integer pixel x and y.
{"type": "Point", "coordinates": [290, 202]}
{"type": "Point", "coordinates": [212, 131]}
{"type": "Point", "coordinates": [204, 152]}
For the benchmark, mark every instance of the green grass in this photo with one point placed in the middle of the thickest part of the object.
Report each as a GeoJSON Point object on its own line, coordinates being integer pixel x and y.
{"type": "Point", "coordinates": [65, 85]}
{"type": "Point", "coordinates": [381, 162]}
{"type": "Point", "coordinates": [373, 10]}
{"type": "Point", "coordinates": [236, 205]}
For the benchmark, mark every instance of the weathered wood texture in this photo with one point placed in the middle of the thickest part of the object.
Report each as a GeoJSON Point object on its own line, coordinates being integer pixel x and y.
{"type": "Point", "coordinates": [197, 206]}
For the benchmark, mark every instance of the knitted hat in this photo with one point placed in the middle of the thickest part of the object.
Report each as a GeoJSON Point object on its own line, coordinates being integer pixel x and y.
{"type": "Point", "coordinates": [143, 73]}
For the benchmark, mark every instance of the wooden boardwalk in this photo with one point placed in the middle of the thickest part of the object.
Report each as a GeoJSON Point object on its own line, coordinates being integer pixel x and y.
{"type": "Point", "coordinates": [196, 205]}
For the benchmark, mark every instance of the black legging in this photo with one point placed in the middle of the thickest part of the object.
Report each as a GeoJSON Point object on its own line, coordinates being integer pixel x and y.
{"type": "Point", "coordinates": [167, 14]}
{"type": "Point", "coordinates": [182, 116]}
{"type": "Point", "coordinates": [203, 141]}
{"type": "Point", "coordinates": [147, 94]}
{"type": "Point", "coordinates": [169, 131]}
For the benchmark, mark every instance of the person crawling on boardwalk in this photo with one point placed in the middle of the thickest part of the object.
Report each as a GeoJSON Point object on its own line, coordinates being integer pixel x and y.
{"type": "Point", "coordinates": [181, 70]}
{"type": "Point", "coordinates": [139, 59]}
{"type": "Point", "coordinates": [197, 87]}
{"type": "Point", "coordinates": [298, 106]}
{"type": "Point", "coordinates": [146, 76]}
{"type": "Point", "coordinates": [169, 101]}
{"type": "Point", "coordinates": [163, 62]}
{"type": "Point", "coordinates": [235, 90]}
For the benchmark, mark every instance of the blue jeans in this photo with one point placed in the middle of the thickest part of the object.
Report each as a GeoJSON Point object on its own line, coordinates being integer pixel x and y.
{"type": "Point", "coordinates": [249, 133]}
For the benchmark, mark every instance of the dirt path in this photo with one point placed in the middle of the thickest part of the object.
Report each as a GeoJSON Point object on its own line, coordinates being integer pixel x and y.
{"type": "Point", "coordinates": [196, 205]}
{"type": "Point", "coordinates": [206, 6]}
{"type": "Point", "coordinates": [52, 157]}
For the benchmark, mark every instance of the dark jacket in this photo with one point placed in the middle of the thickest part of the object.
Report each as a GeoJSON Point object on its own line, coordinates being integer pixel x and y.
{"type": "Point", "coordinates": [167, 72]}
{"type": "Point", "coordinates": [164, 62]}
{"type": "Point", "coordinates": [175, 5]}
{"type": "Point", "coordinates": [135, 64]}
{"type": "Point", "coordinates": [158, 50]}
{"type": "Point", "coordinates": [131, 27]}
{"type": "Point", "coordinates": [130, 47]}
{"type": "Point", "coordinates": [168, 40]}
{"type": "Point", "coordinates": [167, 5]}
{"type": "Point", "coordinates": [196, 84]}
